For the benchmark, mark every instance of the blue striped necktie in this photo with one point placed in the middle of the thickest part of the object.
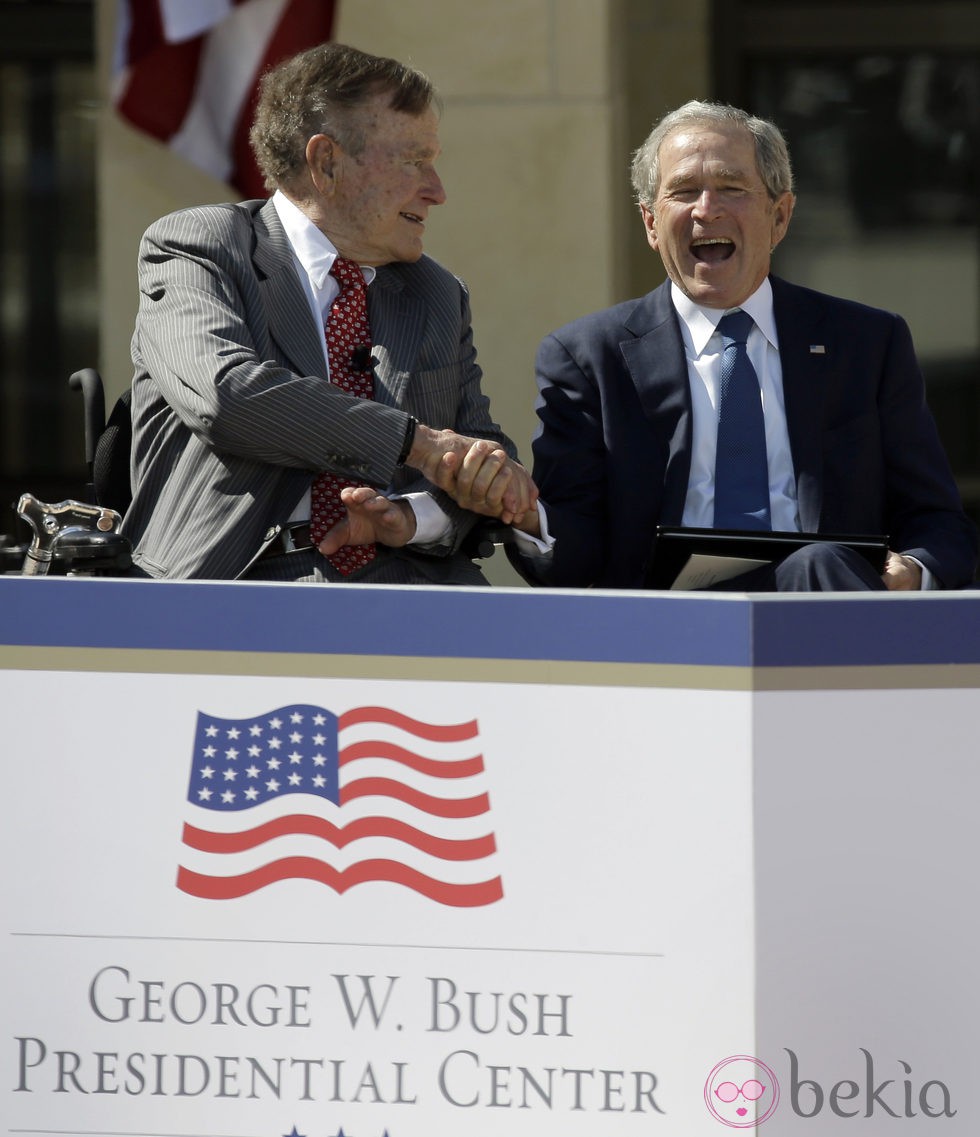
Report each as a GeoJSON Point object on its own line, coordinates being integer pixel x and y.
{"type": "Point", "coordinates": [741, 467]}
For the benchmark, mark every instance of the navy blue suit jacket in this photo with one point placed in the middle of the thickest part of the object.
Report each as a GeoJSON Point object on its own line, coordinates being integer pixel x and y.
{"type": "Point", "coordinates": [613, 449]}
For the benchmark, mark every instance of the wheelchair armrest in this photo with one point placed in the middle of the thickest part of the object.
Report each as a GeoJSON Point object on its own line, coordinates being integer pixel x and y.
{"type": "Point", "coordinates": [481, 541]}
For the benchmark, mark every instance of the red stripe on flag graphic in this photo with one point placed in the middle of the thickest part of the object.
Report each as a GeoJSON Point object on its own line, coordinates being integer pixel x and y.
{"type": "Point", "coordinates": [447, 848]}
{"type": "Point", "coordinates": [374, 872]}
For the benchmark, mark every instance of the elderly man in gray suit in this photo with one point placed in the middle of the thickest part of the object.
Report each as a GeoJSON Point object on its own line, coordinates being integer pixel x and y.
{"type": "Point", "coordinates": [278, 435]}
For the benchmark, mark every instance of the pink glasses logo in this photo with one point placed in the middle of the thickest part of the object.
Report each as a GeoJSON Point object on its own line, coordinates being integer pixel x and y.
{"type": "Point", "coordinates": [741, 1092]}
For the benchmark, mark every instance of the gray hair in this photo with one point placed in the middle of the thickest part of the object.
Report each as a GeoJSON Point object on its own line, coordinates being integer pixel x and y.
{"type": "Point", "coordinates": [321, 90]}
{"type": "Point", "coordinates": [771, 153]}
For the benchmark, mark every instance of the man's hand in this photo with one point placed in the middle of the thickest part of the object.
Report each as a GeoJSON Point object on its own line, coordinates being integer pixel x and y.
{"type": "Point", "coordinates": [492, 484]}
{"type": "Point", "coordinates": [371, 517]}
{"type": "Point", "coordinates": [901, 574]}
{"type": "Point", "coordinates": [475, 472]}
{"type": "Point", "coordinates": [530, 523]}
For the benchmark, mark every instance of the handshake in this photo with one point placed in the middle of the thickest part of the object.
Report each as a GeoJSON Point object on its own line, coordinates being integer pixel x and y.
{"type": "Point", "coordinates": [476, 473]}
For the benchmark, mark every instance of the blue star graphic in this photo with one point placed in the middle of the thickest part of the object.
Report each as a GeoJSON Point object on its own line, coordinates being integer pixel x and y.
{"type": "Point", "coordinates": [293, 1133]}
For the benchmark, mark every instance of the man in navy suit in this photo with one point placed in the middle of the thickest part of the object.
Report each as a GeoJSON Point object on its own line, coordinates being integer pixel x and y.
{"type": "Point", "coordinates": [629, 397]}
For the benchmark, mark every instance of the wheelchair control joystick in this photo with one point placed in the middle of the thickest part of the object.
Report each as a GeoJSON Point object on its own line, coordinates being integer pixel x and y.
{"type": "Point", "coordinates": [73, 531]}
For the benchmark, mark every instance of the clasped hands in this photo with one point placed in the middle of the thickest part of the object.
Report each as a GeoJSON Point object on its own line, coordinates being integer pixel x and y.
{"type": "Point", "coordinates": [476, 473]}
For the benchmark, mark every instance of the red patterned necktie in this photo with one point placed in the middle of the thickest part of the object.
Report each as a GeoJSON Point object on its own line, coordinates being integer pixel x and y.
{"type": "Point", "coordinates": [348, 353]}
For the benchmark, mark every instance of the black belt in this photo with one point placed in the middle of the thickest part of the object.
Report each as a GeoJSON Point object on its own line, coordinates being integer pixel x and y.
{"type": "Point", "coordinates": [289, 539]}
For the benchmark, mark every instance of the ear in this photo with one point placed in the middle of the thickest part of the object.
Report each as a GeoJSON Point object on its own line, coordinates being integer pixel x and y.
{"type": "Point", "coordinates": [650, 225]}
{"type": "Point", "coordinates": [322, 155]}
{"type": "Point", "coordinates": [782, 212]}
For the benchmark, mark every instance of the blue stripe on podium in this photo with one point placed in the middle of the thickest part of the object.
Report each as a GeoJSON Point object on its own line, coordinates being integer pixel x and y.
{"type": "Point", "coordinates": [685, 629]}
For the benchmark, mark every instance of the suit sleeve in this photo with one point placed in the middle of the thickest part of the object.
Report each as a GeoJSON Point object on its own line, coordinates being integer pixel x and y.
{"type": "Point", "coordinates": [203, 336]}
{"type": "Point", "coordinates": [569, 469]}
{"type": "Point", "coordinates": [926, 518]}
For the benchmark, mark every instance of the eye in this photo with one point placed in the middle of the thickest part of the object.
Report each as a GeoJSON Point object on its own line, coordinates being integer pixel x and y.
{"type": "Point", "coordinates": [687, 193]}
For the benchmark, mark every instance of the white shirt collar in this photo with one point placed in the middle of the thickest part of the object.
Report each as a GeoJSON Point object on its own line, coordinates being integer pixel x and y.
{"type": "Point", "coordinates": [312, 248]}
{"type": "Point", "coordinates": [698, 323]}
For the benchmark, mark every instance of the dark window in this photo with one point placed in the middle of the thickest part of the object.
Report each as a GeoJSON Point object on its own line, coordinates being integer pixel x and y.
{"type": "Point", "coordinates": [880, 104]}
{"type": "Point", "coordinates": [48, 268]}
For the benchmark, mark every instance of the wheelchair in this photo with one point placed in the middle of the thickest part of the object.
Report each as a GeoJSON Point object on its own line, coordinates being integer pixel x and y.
{"type": "Point", "coordinates": [82, 538]}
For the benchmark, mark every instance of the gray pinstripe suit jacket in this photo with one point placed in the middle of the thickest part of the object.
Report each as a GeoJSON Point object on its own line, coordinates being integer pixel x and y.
{"type": "Point", "coordinates": [232, 413]}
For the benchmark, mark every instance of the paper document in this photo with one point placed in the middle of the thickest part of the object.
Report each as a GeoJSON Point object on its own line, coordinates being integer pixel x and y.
{"type": "Point", "coordinates": [701, 570]}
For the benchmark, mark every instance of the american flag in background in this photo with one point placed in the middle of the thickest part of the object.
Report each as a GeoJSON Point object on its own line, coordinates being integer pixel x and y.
{"type": "Point", "coordinates": [370, 795]}
{"type": "Point", "coordinates": [186, 72]}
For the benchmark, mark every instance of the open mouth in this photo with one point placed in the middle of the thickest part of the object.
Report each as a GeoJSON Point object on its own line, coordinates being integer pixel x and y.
{"type": "Point", "coordinates": [414, 218]}
{"type": "Point", "coordinates": [712, 250]}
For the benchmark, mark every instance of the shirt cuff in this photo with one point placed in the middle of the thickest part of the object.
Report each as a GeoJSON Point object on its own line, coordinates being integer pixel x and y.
{"type": "Point", "coordinates": [540, 545]}
{"type": "Point", "coordinates": [929, 582]}
{"type": "Point", "coordinates": [432, 525]}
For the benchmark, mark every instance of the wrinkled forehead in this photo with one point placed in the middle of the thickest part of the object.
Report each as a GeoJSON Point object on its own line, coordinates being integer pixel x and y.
{"type": "Point", "coordinates": [400, 131]}
{"type": "Point", "coordinates": [691, 151]}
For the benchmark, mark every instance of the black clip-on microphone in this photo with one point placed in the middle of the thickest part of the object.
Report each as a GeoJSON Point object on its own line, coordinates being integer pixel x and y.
{"type": "Point", "coordinates": [360, 358]}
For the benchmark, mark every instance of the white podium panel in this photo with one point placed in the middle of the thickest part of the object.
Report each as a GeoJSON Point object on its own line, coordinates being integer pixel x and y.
{"type": "Point", "coordinates": [867, 934]}
{"type": "Point", "coordinates": [359, 862]}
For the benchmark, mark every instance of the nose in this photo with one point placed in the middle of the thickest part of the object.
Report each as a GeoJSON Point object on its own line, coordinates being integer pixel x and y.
{"type": "Point", "coordinates": [707, 204]}
{"type": "Point", "coordinates": [433, 191]}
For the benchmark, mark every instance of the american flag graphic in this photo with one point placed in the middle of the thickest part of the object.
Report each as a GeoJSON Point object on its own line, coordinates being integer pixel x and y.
{"type": "Point", "coordinates": [186, 72]}
{"type": "Point", "coordinates": [370, 795]}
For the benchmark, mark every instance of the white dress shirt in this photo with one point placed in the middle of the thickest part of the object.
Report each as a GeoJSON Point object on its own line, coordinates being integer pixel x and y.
{"type": "Point", "coordinates": [313, 255]}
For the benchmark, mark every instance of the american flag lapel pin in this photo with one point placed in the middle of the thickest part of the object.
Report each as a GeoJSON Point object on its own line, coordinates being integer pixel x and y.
{"type": "Point", "coordinates": [817, 349]}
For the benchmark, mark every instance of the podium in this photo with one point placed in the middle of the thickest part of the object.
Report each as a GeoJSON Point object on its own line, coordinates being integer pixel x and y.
{"type": "Point", "coordinates": [354, 861]}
